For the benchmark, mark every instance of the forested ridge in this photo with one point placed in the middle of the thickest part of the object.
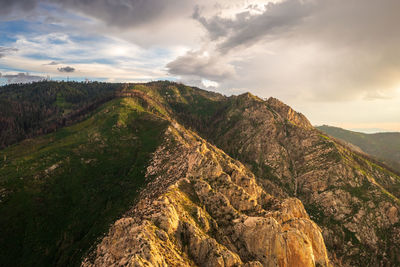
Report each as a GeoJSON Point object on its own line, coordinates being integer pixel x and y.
{"type": "Point", "coordinates": [27, 110]}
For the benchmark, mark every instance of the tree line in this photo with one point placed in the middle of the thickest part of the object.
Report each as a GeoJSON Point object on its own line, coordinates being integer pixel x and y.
{"type": "Point", "coordinates": [27, 110]}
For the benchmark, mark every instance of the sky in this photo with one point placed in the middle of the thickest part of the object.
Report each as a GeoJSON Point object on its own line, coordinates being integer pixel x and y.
{"type": "Point", "coordinates": [337, 62]}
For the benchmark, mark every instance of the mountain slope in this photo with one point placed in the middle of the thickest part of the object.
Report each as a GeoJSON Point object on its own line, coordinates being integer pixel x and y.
{"type": "Point", "coordinates": [354, 200]}
{"type": "Point", "coordinates": [204, 208]}
{"type": "Point", "coordinates": [383, 146]}
{"type": "Point", "coordinates": [59, 192]}
{"type": "Point", "coordinates": [42, 107]}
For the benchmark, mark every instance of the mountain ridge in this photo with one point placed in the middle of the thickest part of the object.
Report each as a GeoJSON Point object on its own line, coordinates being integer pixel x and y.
{"type": "Point", "coordinates": [217, 200]}
{"type": "Point", "coordinates": [354, 201]}
{"type": "Point", "coordinates": [384, 147]}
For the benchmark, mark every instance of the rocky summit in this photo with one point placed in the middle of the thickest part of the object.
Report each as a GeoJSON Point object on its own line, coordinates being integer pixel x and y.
{"type": "Point", "coordinates": [163, 174]}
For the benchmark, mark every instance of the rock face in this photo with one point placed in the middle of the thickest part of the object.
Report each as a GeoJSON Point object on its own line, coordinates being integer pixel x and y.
{"type": "Point", "coordinates": [288, 114]}
{"type": "Point", "coordinates": [351, 197]}
{"type": "Point", "coordinates": [204, 208]}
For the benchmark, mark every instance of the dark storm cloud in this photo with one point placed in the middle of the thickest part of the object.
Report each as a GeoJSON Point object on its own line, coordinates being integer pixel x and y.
{"type": "Point", "coordinates": [67, 69]}
{"type": "Point", "coordinates": [217, 27]}
{"type": "Point", "coordinates": [126, 13]}
{"type": "Point", "coordinates": [8, 6]}
{"type": "Point", "coordinates": [21, 78]}
{"type": "Point", "coordinates": [6, 50]}
{"type": "Point", "coordinates": [119, 13]}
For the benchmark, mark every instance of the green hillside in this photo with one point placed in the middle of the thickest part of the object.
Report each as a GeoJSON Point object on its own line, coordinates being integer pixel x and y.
{"type": "Point", "coordinates": [59, 192]}
{"type": "Point", "coordinates": [27, 110]}
{"type": "Point", "coordinates": [383, 146]}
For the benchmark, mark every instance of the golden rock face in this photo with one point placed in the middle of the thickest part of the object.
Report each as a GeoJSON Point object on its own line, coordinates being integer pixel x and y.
{"type": "Point", "coordinates": [204, 208]}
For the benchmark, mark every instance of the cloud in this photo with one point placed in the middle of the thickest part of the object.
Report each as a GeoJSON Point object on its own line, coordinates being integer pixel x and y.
{"type": "Point", "coordinates": [53, 63]}
{"type": "Point", "coordinates": [21, 78]}
{"type": "Point", "coordinates": [216, 26]}
{"type": "Point", "coordinates": [128, 13]}
{"type": "Point", "coordinates": [246, 28]}
{"type": "Point", "coordinates": [201, 64]}
{"type": "Point", "coordinates": [6, 50]}
{"type": "Point", "coordinates": [67, 69]}
{"type": "Point", "coordinates": [7, 6]}
{"type": "Point", "coordinates": [94, 57]}
{"type": "Point", "coordinates": [327, 50]}
{"type": "Point", "coordinates": [147, 23]}
{"type": "Point", "coordinates": [345, 22]}
{"type": "Point", "coordinates": [121, 14]}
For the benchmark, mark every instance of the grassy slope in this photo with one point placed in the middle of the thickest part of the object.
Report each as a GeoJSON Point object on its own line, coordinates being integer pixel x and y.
{"type": "Point", "coordinates": [384, 146]}
{"type": "Point", "coordinates": [59, 192]}
{"type": "Point", "coordinates": [28, 110]}
{"type": "Point", "coordinates": [185, 102]}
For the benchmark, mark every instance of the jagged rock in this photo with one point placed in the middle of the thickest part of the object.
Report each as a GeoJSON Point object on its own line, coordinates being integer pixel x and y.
{"type": "Point", "coordinates": [204, 208]}
{"type": "Point", "coordinates": [353, 199]}
{"type": "Point", "coordinates": [289, 114]}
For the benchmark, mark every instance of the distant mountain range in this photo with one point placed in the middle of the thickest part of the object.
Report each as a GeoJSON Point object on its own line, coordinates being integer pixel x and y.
{"type": "Point", "coordinates": [369, 130]}
{"type": "Point", "coordinates": [383, 146]}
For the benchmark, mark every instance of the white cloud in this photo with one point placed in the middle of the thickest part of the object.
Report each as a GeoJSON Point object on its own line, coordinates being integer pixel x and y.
{"type": "Point", "coordinates": [109, 58]}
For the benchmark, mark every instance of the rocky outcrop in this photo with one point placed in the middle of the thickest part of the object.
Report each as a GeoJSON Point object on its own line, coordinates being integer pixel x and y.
{"type": "Point", "coordinates": [288, 114]}
{"type": "Point", "coordinates": [353, 199]}
{"type": "Point", "coordinates": [204, 208]}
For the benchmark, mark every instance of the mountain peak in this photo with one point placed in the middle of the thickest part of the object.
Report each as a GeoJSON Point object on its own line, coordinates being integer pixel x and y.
{"type": "Point", "coordinates": [288, 113]}
{"type": "Point", "coordinates": [249, 95]}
